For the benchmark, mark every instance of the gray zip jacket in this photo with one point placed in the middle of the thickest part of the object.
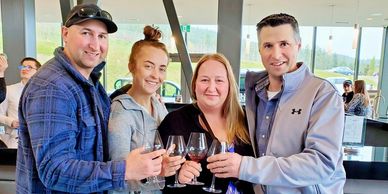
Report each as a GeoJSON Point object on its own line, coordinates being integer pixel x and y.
{"type": "Point", "coordinates": [130, 127]}
{"type": "Point", "coordinates": [304, 152]}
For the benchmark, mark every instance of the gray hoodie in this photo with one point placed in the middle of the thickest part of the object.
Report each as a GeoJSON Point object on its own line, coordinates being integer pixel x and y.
{"type": "Point", "coordinates": [130, 127]}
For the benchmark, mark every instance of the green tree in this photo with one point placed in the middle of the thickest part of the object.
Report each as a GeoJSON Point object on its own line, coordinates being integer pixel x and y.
{"type": "Point", "coordinates": [372, 66]}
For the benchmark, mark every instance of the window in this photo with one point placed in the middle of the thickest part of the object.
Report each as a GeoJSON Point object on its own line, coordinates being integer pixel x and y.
{"type": "Point", "coordinates": [334, 55]}
{"type": "Point", "coordinates": [370, 52]}
{"type": "Point", "coordinates": [250, 57]}
{"type": "Point", "coordinates": [48, 29]}
{"type": "Point", "coordinates": [306, 34]}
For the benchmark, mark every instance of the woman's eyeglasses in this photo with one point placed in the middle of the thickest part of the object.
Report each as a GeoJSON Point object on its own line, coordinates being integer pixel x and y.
{"type": "Point", "coordinates": [27, 67]}
{"type": "Point", "coordinates": [89, 12]}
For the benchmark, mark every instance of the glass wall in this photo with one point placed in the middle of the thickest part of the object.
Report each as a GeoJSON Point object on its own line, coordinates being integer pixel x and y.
{"type": "Point", "coordinates": [306, 34]}
{"type": "Point", "coordinates": [48, 29]}
{"type": "Point", "coordinates": [250, 58]}
{"type": "Point", "coordinates": [335, 57]}
{"type": "Point", "coordinates": [48, 37]}
{"type": "Point", "coordinates": [370, 54]}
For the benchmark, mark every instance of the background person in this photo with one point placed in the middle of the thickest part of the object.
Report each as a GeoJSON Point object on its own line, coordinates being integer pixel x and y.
{"type": "Point", "coordinates": [64, 113]}
{"type": "Point", "coordinates": [348, 91]}
{"type": "Point", "coordinates": [3, 90]}
{"type": "Point", "coordinates": [136, 115]}
{"type": "Point", "coordinates": [359, 105]}
{"type": "Point", "coordinates": [216, 111]}
{"type": "Point", "coordinates": [9, 107]}
{"type": "Point", "coordinates": [3, 67]}
{"type": "Point", "coordinates": [295, 121]}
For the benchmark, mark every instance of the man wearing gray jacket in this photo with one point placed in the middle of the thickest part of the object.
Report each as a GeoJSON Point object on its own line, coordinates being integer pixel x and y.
{"type": "Point", "coordinates": [295, 121]}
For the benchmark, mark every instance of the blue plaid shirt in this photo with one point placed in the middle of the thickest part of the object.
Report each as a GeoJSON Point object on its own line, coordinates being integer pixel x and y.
{"type": "Point", "coordinates": [62, 137]}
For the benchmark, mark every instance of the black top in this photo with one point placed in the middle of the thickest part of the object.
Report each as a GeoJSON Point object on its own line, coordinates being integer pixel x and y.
{"type": "Point", "coordinates": [183, 121]}
{"type": "Point", "coordinates": [347, 97]}
{"type": "Point", "coordinates": [3, 89]}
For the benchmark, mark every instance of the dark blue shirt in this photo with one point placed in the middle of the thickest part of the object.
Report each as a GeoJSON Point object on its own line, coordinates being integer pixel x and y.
{"type": "Point", "coordinates": [265, 113]}
{"type": "Point", "coordinates": [62, 137]}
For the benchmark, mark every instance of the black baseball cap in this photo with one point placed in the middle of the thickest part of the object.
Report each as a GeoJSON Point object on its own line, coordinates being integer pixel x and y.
{"type": "Point", "coordinates": [90, 11]}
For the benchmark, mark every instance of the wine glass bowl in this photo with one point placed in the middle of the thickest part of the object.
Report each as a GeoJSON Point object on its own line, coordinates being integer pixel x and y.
{"type": "Point", "coordinates": [156, 144]}
{"type": "Point", "coordinates": [197, 149]}
{"type": "Point", "coordinates": [178, 148]}
{"type": "Point", "coordinates": [216, 148]}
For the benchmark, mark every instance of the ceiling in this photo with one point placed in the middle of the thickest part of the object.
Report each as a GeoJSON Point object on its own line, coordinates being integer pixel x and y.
{"type": "Point", "coordinates": [367, 13]}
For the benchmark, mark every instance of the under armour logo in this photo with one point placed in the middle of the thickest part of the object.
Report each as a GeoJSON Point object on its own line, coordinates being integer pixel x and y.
{"type": "Point", "coordinates": [296, 111]}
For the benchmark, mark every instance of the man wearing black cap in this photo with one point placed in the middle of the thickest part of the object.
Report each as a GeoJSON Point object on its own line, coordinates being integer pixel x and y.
{"type": "Point", "coordinates": [63, 117]}
{"type": "Point", "coordinates": [348, 91]}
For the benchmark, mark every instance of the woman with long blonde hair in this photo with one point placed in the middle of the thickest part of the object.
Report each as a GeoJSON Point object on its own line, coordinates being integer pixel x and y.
{"type": "Point", "coordinates": [216, 111]}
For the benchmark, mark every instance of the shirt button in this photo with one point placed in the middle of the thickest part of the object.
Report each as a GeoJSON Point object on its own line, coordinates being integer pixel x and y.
{"type": "Point", "coordinates": [266, 117]}
{"type": "Point", "coordinates": [263, 136]}
{"type": "Point", "coordinates": [263, 154]}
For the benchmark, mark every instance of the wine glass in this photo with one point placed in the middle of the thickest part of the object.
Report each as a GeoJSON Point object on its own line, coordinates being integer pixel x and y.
{"type": "Point", "coordinates": [196, 149]}
{"type": "Point", "coordinates": [216, 148]}
{"type": "Point", "coordinates": [150, 146]}
{"type": "Point", "coordinates": [179, 150]}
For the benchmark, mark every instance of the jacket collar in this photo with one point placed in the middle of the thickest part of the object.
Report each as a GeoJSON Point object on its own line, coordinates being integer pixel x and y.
{"type": "Point", "coordinates": [291, 81]}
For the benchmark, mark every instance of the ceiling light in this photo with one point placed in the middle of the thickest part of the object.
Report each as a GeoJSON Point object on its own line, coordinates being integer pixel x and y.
{"type": "Point", "coordinates": [356, 28]}
{"type": "Point", "coordinates": [376, 14]}
{"type": "Point", "coordinates": [133, 19]}
{"type": "Point", "coordinates": [342, 22]}
{"type": "Point", "coordinates": [329, 48]}
{"type": "Point", "coordinates": [355, 36]}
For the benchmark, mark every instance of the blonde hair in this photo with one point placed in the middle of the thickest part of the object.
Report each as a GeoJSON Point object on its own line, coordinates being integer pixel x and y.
{"type": "Point", "coordinates": [232, 110]}
{"type": "Point", "coordinates": [360, 87]}
{"type": "Point", "coordinates": [151, 38]}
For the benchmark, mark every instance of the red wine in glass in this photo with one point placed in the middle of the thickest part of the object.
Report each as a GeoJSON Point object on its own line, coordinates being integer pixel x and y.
{"type": "Point", "coordinates": [196, 157]}
{"type": "Point", "coordinates": [197, 149]}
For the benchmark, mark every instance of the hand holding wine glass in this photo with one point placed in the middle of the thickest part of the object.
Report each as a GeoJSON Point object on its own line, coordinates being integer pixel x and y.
{"type": "Point", "coordinates": [156, 144]}
{"type": "Point", "coordinates": [197, 149]}
{"type": "Point", "coordinates": [216, 148]}
{"type": "Point", "coordinates": [171, 164]}
{"type": "Point", "coordinates": [140, 165]}
{"type": "Point", "coordinates": [225, 165]}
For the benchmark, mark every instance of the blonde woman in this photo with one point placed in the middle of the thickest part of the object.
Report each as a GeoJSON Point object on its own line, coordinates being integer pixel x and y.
{"type": "Point", "coordinates": [217, 113]}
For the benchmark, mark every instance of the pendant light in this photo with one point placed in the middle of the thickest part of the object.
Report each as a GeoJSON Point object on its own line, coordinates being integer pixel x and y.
{"type": "Point", "coordinates": [329, 48]}
{"type": "Point", "coordinates": [356, 28]}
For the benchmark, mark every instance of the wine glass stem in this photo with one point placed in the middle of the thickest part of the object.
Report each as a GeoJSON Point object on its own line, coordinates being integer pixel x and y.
{"type": "Point", "coordinates": [213, 180]}
{"type": "Point", "coordinates": [195, 179]}
{"type": "Point", "coordinates": [176, 178]}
